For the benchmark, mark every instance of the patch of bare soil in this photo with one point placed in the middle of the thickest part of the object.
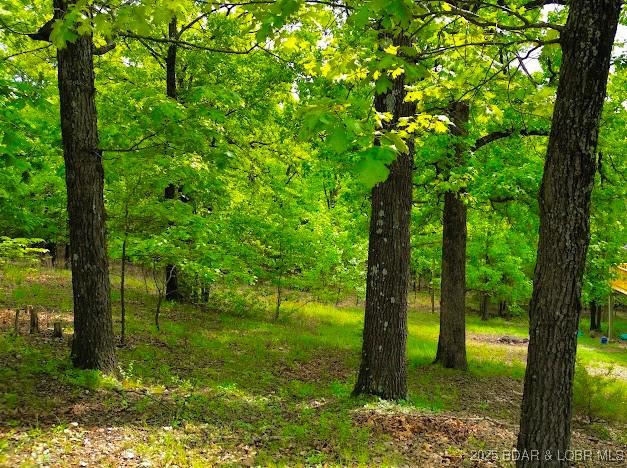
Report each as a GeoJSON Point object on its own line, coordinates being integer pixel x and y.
{"type": "Point", "coordinates": [615, 371]}
{"type": "Point", "coordinates": [438, 440]}
{"type": "Point", "coordinates": [503, 340]}
{"type": "Point", "coordinates": [327, 367]}
{"type": "Point", "coordinates": [446, 440]}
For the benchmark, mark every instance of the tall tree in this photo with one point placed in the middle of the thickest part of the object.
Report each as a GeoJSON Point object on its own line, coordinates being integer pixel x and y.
{"type": "Point", "coordinates": [452, 340]}
{"type": "Point", "coordinates": [564, 199]}
{"type": "Point", "coordinates": [383, 369]}
{"type": "Point", "coordinates": [172, 292]}
{"type": "Point", "coordinates": [93, 344]}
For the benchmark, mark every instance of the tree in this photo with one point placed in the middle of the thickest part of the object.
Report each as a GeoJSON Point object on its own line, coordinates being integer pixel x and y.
{"type": "Point", "coordinates": [452, 338]}
{"type": "Point", "coordinates": [564, 198]}
{"type": "Point", "coordinates": [93, 344]}
{"type": "Point", "coordinates": [383, 369]}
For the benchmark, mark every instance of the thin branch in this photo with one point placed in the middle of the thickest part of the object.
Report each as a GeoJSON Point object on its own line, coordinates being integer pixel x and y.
{"type": "Point", "coordinates": [193, 22]}
{"type": "Point", "coordinates": [136, 146]}
{"type": "Point", "coordinates": [11, 30]}
{"type": "Point", "coordinates": [24, 52]}
{"type": "Point", "coordinates": [478, 20]}
{"type": "Point", "coordinates": [541, 3]}
{"type": "Point", "coordinates": [188, 45]}
{"type": "Point", "coordinates": [104, 49]}
{"type": "Point", "coordinates": [498, 135]}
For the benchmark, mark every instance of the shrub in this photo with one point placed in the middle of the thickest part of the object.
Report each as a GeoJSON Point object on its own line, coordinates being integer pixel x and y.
{"type": "Point", "coordinates": [598, 396]}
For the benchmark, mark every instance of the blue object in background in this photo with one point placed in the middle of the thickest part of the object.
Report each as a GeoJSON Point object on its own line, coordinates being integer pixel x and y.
{"type": "Point", "coordinates": [623, 337]}
{"type": "Point", "coordinates": [579, 333]}
{"type": "Point", "coordinates": [604, 340]}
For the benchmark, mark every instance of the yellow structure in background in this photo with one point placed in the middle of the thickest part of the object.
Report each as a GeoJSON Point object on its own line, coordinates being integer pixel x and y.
{"type": "Point", "coordinates": [619, 284]}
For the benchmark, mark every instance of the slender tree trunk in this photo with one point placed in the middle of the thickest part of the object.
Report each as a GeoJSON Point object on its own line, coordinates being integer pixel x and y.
{"type": "Point", "coordinates": [122, 290]}
{"type": "Point", "coordinates": [564, 230]}
{"type": "Point", "coordinates": [172, 292]}
{"type": "Point", "coordinates": [432, 286]}
{"type": "Point", "coordinates": [93, 343]}
{"type": "Point", "coordinates": [383, 369]}
{"type": "Point", "coordinates": [279, 298]}
{"type": "Point", "coordinates": [595, 316]}
{"type": "Point", "coordinates": [170, 61]}
{"type": "Point", "coordinates": [503, 309]}
{"type": "Point", "coordinates": [16, 322]}
{"type": "Point", "coordinates": [452, 341]}
{"type": "Point", "coordinates": [160, 294]}
{"type": "Point", "coordinates": [158, 309]}
{"type": "Point", "coordinates": [484, 310]}
{"type": "Point", "coordinates": [66, 256]}
{"type": "Point", "coordinates": [34, 320]}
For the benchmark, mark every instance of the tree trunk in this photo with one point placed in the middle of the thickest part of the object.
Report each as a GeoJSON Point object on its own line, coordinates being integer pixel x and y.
{"type": "Point", "coordinates": [383, 369]}
{"type": "Point", "coordinates": [34, 320]}
{"type": "Point", "coordinates": [57, 330]}
{"type": "Point", "coordinates": [564, 230]}
{"type": "Point", "coordinates": [93, 343]}
{"type": "Point", "coordinates": [122, 291]}
{"type": "Point", "coordinates": [503, 309]}
{"type": "Point", "coordinates": [16, 322]}
{"type": "Point", "coordinates": [484, 310]}
{"type": "Point", "coordinates": [170, 61]}
{"type": "Point", "coordinates": [595, 316]}
{"type": "Point", "coordinates": [432, 286]}
{"type": "Point", "coordinates": [279, 298]}
{"type": "Point", "coordinates": [172, 292]}
{"type": "Point", "coordinates": [52, 251]}
{"type": "Point", "coordinates": [452, 340]}
{"type": "Point", "coordinates": [66, 256]}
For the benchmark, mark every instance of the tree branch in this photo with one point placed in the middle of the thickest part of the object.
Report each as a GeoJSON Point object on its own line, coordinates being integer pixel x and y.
{"type": "Point", "coordinates": [188, 45]}
{"type": "Point", "coordinates": [498, 135]}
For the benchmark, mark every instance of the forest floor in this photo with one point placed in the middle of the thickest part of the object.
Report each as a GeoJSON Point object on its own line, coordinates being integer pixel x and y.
{"type": "Point", "coordinates": [226, 385]}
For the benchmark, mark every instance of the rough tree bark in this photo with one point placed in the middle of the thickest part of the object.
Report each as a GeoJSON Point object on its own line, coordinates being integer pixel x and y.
{"type": "Point", "coordinates": [452, 340]}
{"type": "Point", "coordinates": [172, 292]}
{"type": "Point", "coordinates": [383, 369]}
{"type": "Point", "coordinates": [93, 343]}
{"type": "Point", "coordinates": [564, 232]}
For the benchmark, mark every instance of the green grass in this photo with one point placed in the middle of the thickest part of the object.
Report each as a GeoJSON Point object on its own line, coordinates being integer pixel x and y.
{"type": "Point", "coordinates": [236, 388]}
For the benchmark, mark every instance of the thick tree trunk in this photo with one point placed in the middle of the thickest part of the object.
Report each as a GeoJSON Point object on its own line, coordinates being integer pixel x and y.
{"type": "Point", "coordinates": [93, 343]}
{"type": "Point", "coordinates": [452, 341]}
{"type": "Point", "coordinates": [383, 369]}
{"type": "Point", "coordinates": [564, 231]}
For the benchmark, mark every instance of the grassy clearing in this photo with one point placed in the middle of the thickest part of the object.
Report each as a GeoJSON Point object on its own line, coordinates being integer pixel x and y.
{"type": "Point", "coordinates": [232, 387]}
